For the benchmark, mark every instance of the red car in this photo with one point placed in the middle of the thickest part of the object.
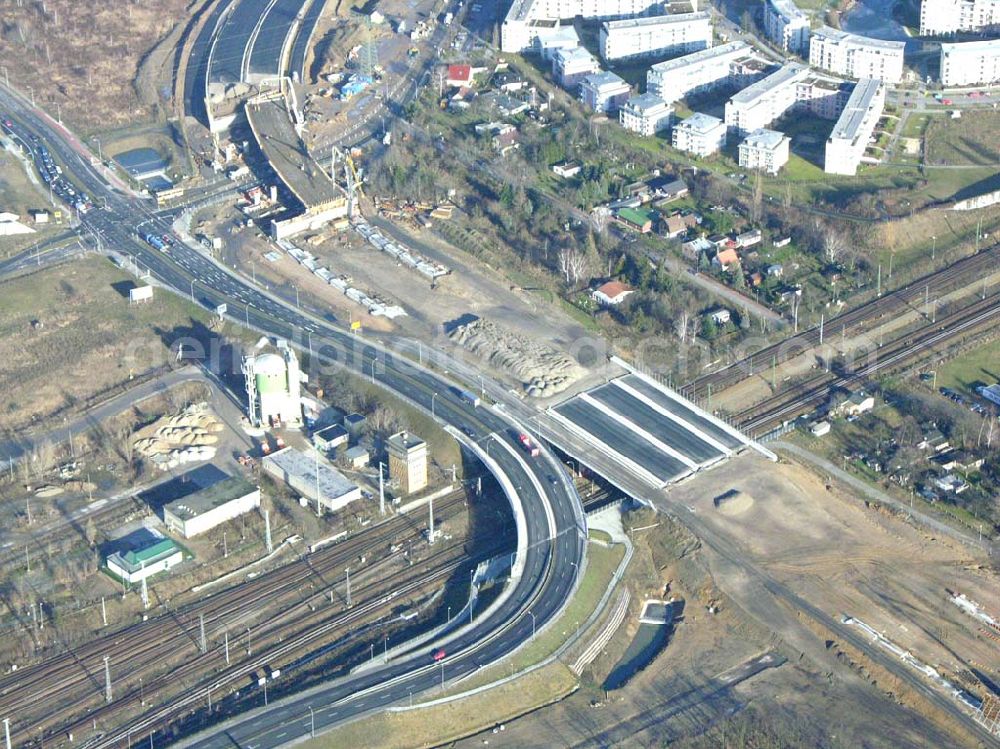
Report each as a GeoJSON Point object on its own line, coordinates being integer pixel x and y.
{"type": "Point", "coordinates": [529, 447]}
{"type": "Point", "coordinates": [946, 102]}
{"type": "Point", "coordinates": [438, 655]}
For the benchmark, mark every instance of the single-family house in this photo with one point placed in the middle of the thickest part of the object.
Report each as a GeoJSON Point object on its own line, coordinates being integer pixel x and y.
{"type": "Point", "coordinates": [636, 218]}
{"type": "Point", "coordinates": [726, 258]}
{"type": "Point", "coordinates": [611, 294]}
{"type": "Point", "coordinates": [720, 316]}
{"type": "Point", "coordinates": [749, 238]}
{"type": "Point", "coordinates": [459, 75]}
{"type": "Point", "coordinates": [674, 226]}
{"type": "Point", "coordinates": [694, 248]}
{"type": "Point", "coordinates": [567, 169]}
{"type": "Point", "coordinates": [775, 271]}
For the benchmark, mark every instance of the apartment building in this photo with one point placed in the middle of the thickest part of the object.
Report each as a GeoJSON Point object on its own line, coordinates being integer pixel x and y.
{"type": "Point", "coordinates": [847, 143]}
{"type": "Point", "coordinates": [761, 103]}
{"type": "Point", "coordinates": [570, 66]}
{"type": "Point", "coordinates": [786, 25]}
{"type": "Point", "coordinates": [696, 72]}
{"type": "Point", "coordinates": [940, 17]}
{"type": "Point", "coordinates": [654, 36]}
{"type": "Point", "coordinates": [856, 56]}
{"type": "Point", "coordinates": [529, 22]}
{"type": "Point", "coordinates": [970, 63]}
{"type": "Point", "coordinates": [766, 150]}
{"type": "Point", "coordinates": [646, 114]}
{"type": "Point", "coordinates": [700, 134]}
{"type": "Point", "coordinates": [604, 91]}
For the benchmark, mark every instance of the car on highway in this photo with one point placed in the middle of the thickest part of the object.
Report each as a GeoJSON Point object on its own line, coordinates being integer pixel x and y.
{"type": "Point", "coordinates": [469, 431]}
{"type": "Point", "coordinates": [528, 444]}
{"type": "Point", "coordinates": [438, 655]}
{"type": "Point", "coordinates": [947, 102]}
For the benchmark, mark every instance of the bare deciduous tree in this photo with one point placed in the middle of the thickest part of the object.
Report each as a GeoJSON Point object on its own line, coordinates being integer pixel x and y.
{"type": "Point", "coordinates": [683, 326]}
{"type": "Point", "coordinates": [572, 264]}
{"type": "Point", "coordinates": [599, 218]}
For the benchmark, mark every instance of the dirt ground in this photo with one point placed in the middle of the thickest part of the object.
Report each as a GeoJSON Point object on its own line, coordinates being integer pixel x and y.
{"type": "Point", "coordinates": [831, 551]}
{"type": "Point", "coordinates": [91, 55]}
{"type": "Point", "coordinates": [69, 333]}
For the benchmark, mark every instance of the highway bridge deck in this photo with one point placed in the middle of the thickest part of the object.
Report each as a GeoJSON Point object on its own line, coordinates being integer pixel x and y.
{"type": "Point", "coordinates": [300, 48]}
{"type": "Point", "coordinates": [287, 154]}
{"type": "Point", "coordinates": [196, 73]}
{"type": "Point", "coordinates": [234, 35]}
{"type": "Point", "coordinates": [641, 426]}
{"type": "Point", "coordinates": [265, 55]}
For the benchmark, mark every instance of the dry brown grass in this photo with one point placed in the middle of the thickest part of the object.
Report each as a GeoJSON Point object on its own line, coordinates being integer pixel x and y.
{"type": "Point", "coordinates": [84, 56]}
{"type": "Point", "coordinates": [67, 334]}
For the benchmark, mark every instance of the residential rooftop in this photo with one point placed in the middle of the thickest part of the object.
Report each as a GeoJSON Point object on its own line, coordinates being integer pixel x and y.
{"type": "Point", "coordinates": [634, 23]}
{"type": "Point", "coordinates": [789, 73]}
{"type": "Point", "coordinates": [702, 55]}
{"type": "Point", "coordinates": [764, 138]}
{"type": "Point", "coordinates": [700, 123]}
{"type": "Point", "coordinates": [849, 123]}
{"type": "Point", "coordinates": [861, 41]}
{"type": "Point", "coordinates": [645, 102]}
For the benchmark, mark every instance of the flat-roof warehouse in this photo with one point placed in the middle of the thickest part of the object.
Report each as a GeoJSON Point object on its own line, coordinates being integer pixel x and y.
{"type": "Point", "coordinates": [312, 478]}
{"type": "Point", "coordinates": [206, 508]}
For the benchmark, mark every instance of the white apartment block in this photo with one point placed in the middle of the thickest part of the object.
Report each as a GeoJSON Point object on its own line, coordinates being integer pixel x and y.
{"type": "Point", "coordinates": [528, 22]}
{"type": "Point", "coordinates": [847, 143]}
{"type": "Point", "coordinates": [604, 92]}
{"type": "Point", "coordinates": [761, 103]}
{"type": "Point", "coordinates": [786, 25]}
{"type": "Point", "coordinates": [939, 17]}
{"type": "Point", "coordinates": [656, 36]}
{"type": "Point", "coordinates": [646, 114]}
{"type": "Point", "coordinates": [970, 63]}
{"type": "Point", "coordinates": [570, 66]}
{"type": "Point", "coordinates": [766, 150]}
{"type": "Point", "coordinates": [694, 73]}
{"type": "Point", "coordinates": [700, 134]}
{"type": "Point", "coordinates": [856, 56]}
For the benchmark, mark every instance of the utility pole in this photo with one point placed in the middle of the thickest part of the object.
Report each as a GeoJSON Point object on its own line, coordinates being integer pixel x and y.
{"type": "Point", "coordinates": [225, 546]}
{"type": "Point", "coordinates": [822, 319]}
{"type": "Point", "coordinates": [6, 731]}
{"type": "Point", "coordinates": [107, 680]}
{"type": "Point", "coordinates": [267, 531]}
{"type": "Point", "coordinates": [348, 587]}
{"type": "Point", "coordinates": [201, 625]}
{"type": "Point", "coordinates": [430, 521]}
{"type": "Point", "coordinates": [878, 286]}
{"type": "Point", "coordinates": [381, 490]}
{"type": "Point", "coordinates": [104, 612]}
{"type": "Point", "coordinates": [319, 506]}
{"type": "Point", "coordinates": [226, 646]}
{"type": "Point", "coordinates": [145, 588]}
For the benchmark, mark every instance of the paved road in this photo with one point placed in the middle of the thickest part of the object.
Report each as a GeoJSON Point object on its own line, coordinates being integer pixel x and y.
{"type": "Point", "coordinates": [553, 524]}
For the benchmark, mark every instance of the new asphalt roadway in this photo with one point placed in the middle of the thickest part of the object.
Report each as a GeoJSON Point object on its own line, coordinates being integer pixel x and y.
{"type": "Point", "coordinates": [553, 520]}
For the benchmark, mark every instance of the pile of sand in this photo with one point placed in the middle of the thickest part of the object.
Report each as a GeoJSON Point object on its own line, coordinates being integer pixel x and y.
{"type": "Point", "coordinates": [187, 437]}
{"type": "Point", "coordinates": [542, 370]}
{"type": "Point", "coordinates": [733, 502]}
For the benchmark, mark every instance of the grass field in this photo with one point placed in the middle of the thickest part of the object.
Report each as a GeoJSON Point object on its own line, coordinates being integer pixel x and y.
{"type": "Point", "coordinates": [978, 366]}
{"type": "Point", "coordinates": [440, 724]}
{"type": "Point", "coordinates": [970, 140]}
{"type": "Point", "coordinates": [69, 333]}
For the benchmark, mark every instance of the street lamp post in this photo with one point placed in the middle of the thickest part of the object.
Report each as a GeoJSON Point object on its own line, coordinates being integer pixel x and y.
{"type": "Point", "coordinates": [435, 395]}
{"type": "Point", "coordinates": [532, 624]}
{"type": "Point", "coordinates": [192, 290]}
{"type": "Point", "coordinates": [312, 723]}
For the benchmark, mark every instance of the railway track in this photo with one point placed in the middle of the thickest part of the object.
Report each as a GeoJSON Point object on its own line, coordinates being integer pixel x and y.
{"type": "Point", "coordinates": [807, 395]}
{"type": "Point", "coordinates": [76, 676]}
{"type": "Point", "coordinates": [911, 296]}
{"type": "Point", "coordinates": [198, 675]}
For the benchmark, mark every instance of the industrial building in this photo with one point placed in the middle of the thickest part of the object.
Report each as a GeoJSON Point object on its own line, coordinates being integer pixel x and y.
{"type": "Point", "coordinates": [694, 73]}
{"type": "Point", "coordinates": [655, 36]}
{"type": "Point", "coordinates": [856, 56]}
{"type": "Point", "coordinates": [761, 103]}
{"type": "Point", "coordinates": [646, 114]}
{"type": "Point", "coordinates": [786, 25]}
{"type": "Point", "coordinates": [529, 23]}
{"type": "Point", "coordinates": [330, 438]}
{"type": "Point", "coordinates": [940, 17]}
{"type": "Point", "coordinates": [273, 384]}
{"type": "Point", "coordinates": [156, 555]}
{"type": "Point", "coordinates": [847, 143]}
{"type": "Point", "coordinates": [212, 506]}
{"type": "Point", "coordinates": [970, 63]}
{"type": "Point", "coordinates": [700, 134]}
{"type": "Point", "coordinates": [407, 461]}
{"type": "Point", "coordinates": [604, 92]}
{"type": "Point", "coordinates": [570, 66]}
{"type": "Point", "coordinates": [766, 150]}
{"type": "Point", "coordinates": [312, 478]}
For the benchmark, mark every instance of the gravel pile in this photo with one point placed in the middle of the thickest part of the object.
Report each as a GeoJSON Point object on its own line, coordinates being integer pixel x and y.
{"type": "Point", "coordinates": [542, 370]}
